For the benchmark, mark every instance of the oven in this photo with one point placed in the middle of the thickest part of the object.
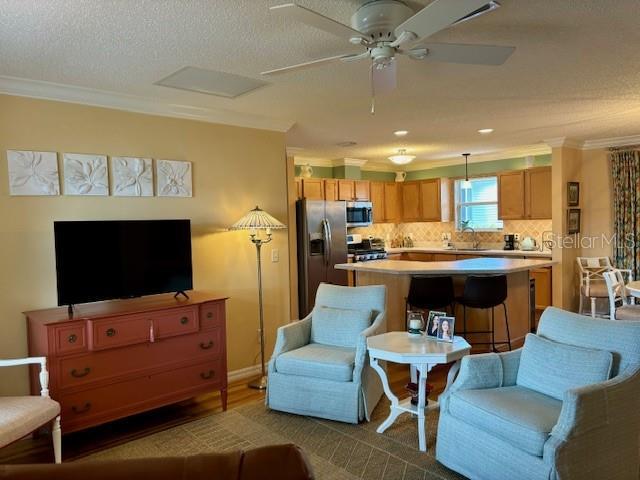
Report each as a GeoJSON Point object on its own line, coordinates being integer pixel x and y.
{"type": "Point", "coordinates": [359, 214]}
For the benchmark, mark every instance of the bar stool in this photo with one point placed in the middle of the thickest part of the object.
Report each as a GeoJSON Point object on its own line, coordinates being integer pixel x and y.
{"type": "Point", "coordinates": [431, 293]}
{"type": "Point", "coordinates": [485, 292]}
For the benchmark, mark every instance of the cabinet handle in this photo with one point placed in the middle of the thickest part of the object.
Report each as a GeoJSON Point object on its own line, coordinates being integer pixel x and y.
{"type": "Point", "coordinates": [206, 346]}
{"type": "Point", "coordinates": [207, 375]}
{"type": "Point", "coordinates": [184, 320]}
{"type": "Point", "coordinates": [209, 314]}
{"type": "Point", "coordinates": [111, 332]}
{"type": "Point", "coordinates": [85, 408]}
{"type": "Point", "coordinates": [75, 373]}
{"type": "Point", "coordinates": [72, 338]}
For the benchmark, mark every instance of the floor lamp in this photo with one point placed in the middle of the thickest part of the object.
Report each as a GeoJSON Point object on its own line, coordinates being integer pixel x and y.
{"type": "Point", "coordinates": [254, 221]}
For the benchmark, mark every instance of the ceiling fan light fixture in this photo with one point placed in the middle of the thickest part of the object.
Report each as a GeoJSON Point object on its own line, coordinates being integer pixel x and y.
{"type": "Point", "coordinates": [402, 158]}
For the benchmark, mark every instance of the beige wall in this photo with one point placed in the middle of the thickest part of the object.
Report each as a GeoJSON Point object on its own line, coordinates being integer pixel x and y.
{"type": "Point", "coordinates": [596, 203]}
{"type": "Point", "coordinates": [234, 169]}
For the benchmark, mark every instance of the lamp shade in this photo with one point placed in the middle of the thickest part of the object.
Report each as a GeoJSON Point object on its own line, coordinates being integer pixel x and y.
{"type": "Point", "coordinates": [257, 219]}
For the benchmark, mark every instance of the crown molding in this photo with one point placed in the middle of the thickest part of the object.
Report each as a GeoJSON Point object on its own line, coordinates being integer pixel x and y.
{"type": "Point", "coordinates": [24, 87]}
{"type": "Point", "coordinates": [611, 142]}
{"type": "Point", "coordinates": [559, 142]}
{"type": "Point", "coordinates": [313, 161]}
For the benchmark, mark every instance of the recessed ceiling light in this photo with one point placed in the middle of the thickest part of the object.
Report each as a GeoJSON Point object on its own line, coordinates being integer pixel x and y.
{"type": "Point", "coordinates": [485, 131]}
{"type": "Point", "coordinates": [400, 133]}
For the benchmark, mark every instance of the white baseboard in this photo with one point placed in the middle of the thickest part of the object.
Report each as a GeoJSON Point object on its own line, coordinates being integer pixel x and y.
{"type": "Point", "coordinates": [241, 374]}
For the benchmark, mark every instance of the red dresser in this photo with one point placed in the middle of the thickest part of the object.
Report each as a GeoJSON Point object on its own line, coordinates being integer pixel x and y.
{"type": "Point", "coordinates": [117, 358]}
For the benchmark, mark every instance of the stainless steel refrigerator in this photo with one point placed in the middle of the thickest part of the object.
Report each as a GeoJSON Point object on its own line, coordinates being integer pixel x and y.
{"type": "Point", "coordinates": [322, 243]}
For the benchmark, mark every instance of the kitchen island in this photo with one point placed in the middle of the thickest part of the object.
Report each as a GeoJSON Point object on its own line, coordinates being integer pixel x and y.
{"type": "Point", "coordinates": [396, 275]}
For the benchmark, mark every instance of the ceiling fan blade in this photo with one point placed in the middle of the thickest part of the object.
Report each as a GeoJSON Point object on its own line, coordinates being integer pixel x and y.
{"type": "Point", "coordinates": [302, 66]}
{"type": "Point", "coordinates": [384, 80]}
{"type": "Point", "coordinates": [460, 53]}
{"type": "Point", "coordinates": [317, 20]}
{"type": "Point", "coordinates": [438, 15]}
{"type": "Point", "coordinates": [356, 56]}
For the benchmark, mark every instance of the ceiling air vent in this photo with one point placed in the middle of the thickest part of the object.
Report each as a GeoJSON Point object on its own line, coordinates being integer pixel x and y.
{"type": "Point", "coordinates": [210, 82]}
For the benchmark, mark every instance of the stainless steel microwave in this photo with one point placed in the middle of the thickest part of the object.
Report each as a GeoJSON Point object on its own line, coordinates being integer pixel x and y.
{"type": "Point", "coordinates": [359, 214]}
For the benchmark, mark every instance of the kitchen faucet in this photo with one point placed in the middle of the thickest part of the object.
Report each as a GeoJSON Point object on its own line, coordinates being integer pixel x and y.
{"type": "Point", "coordinates": [476, 243]}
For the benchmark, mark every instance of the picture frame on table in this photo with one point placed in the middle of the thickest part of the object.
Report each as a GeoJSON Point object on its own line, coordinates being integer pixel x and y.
{"type": "Point", "coordinates": [573, 220]}
{"type": "Point", "coordinates": [573, 194]}
{"type": "Point", "coordinates": [433, 323]}
{"type": "Point", "coordinates": [446, 329]}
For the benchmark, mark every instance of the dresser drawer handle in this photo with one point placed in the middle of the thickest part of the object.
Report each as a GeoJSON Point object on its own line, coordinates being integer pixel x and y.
{"type": "Point", "coordinates": [111, 332]}
{"type": "Point", "coordinates": [207, 375]}
{"type": "Point", "coordinates": [85, 408]}
{"type": "Point", "coordinates": [75, 373]}
{"type": "Point", "coordinates": [209, 314]}
{"type": "Point", "coordinates": [184, 320]}
{"type": "Point", "coordinates": [206, 346]}
{"type": "Point", "coordinates": [72, 338]}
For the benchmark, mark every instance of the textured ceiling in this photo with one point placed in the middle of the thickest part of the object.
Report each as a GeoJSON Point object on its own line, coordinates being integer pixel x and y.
{"type": "Point", "coordinates": [575, 72]}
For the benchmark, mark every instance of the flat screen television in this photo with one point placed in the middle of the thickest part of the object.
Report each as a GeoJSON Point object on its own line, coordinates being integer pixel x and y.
{"type": "Point", "coordinates": [103, 260]}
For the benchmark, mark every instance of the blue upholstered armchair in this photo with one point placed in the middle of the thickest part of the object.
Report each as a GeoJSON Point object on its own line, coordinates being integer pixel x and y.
{"type": "Point", "coordinates": [565, 406]}
{"type": "Point", "coordinates": [319, 366]}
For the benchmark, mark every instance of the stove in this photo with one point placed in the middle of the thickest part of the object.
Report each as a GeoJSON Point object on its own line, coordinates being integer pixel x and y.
{"type": "Point", "coordinates": [365, 249]}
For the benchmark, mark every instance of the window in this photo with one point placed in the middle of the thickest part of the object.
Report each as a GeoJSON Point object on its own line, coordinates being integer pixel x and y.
{"type": "Point", "coordinates": [477, 207]}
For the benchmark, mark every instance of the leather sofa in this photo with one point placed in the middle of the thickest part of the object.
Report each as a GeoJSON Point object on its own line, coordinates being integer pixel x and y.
{"type": "Point", "coordinates": [287, 462]}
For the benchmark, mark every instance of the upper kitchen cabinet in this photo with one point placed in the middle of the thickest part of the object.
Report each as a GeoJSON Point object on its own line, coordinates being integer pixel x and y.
{"type": "Point", "coordinates": [410, 202]}
{"type": "Point", "coordinates": [377, 201]}
{"type": "Point", "coordinates": [353, 190]}
{"type": "Point", "coordinates": [537, 188]}
{"type": "Point", "coordinates": [525, 194]}
{"type": "Point", "coordinates": [435, 200]}
{"type": "Point", "coordinates": [511, 195]}
{"type": "Point", "coordinates": [313, 188]}
{"type": "Point", "coordinates": [392, 202]}
{"type": "Point", "coordinates": [330, 189]}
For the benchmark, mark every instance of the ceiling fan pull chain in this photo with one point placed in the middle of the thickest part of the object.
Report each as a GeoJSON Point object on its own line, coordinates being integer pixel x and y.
{"type": "Point", "coordinates": [373, 90]}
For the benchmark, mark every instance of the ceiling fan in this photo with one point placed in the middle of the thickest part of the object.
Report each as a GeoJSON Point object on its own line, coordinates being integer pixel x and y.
{"type": "Point", "coordinates": [386, 28]}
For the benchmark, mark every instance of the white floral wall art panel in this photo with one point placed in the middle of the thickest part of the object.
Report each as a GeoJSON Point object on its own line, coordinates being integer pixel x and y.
{"type": "Point", "coordinates": [174, 178]}
{"type": "Point", "coordinates": [33, 173]}
{"type": "Point", "coordinates": [132, 177]}
{"type": "Point", "coordinates": [85, 174]}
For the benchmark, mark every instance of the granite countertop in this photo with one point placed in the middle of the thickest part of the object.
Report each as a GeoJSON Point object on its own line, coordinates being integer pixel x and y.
{"type": "Point", "coordinates": [488, 252]}
{"type": "Point", "coordinates": [456, 267]}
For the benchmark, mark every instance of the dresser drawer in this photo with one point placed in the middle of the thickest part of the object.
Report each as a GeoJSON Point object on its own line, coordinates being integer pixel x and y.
{"type": "Point", "coordinates": [135, 359]}
{"type": "Point", "coordinates": [212, 314]}
{"type": "Point", "coordinates": [177, 321]}
{"type": "Point", "coordinates": [119, 331]}
{"type": "Point", "coordinates": [111, 401]}
{"type": "Point", "coordinates": [70, 338]}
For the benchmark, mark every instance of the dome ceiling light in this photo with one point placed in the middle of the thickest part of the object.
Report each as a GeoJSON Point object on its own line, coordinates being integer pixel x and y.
{"type": "Point", "coordinates": [402, 158]}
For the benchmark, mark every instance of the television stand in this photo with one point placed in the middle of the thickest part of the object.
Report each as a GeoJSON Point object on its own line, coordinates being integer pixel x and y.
{"type": "Point", "coordinates": [180, 292]}
{"type": "Point", "coordinates": [122, 357]}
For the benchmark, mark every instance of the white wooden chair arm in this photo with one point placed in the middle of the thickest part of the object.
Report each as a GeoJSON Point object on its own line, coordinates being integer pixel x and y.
{"type": "Point", "coordinates": [44, 373]}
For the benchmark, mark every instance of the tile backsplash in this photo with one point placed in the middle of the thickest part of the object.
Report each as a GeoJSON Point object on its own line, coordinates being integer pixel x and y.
{"type": "Point", "coordinates": [423, 232]}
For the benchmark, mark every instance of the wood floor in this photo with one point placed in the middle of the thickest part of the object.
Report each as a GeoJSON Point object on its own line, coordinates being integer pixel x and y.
{"type": "Point", "coordinates": [79, 444]}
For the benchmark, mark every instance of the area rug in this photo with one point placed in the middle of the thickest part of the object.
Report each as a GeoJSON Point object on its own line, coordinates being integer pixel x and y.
{"type": "Point", "coordinates": [337, 451]}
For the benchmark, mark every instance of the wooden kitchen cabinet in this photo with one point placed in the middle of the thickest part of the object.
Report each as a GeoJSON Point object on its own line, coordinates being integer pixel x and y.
{"type": "Point", "coordinates": [313, 188]}
{"type": "Point", "coordinates": [537, 193]}
{"type": "Point", "coordinates": [410, 202]}
{"type": "Point", "coordinates": [392, 211]}
{"type": "Point", "coordinates": [376, 190]}
{"type": "Point", "coordinates": [354, 190]}
{"type": "Point", "coordinates": [542, 277]}
{"type": "Point", "coordinates": [511, 195]}
{"type": "Point", "coordinates": [330, 189]}
{"type": "Point", "coordinates": [435, 200]}
{"type": "Point", "coordinates": [419, 256]}
{"type": "Point", "coordinates": [346, 190]}
{"type": "Point", "coordinates": [444, 257]}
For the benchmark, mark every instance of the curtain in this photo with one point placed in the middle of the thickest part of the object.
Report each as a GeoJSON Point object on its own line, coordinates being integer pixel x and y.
{"type": "Point", "coordinates": [625, 172]}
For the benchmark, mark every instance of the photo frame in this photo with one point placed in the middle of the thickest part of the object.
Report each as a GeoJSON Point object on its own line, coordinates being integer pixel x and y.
{"type": "Point", "coordinates": [433, 323]}
{"type": "Point", "coordinates": [573, 220]}
{"type": "Point", "coordinates": [573, 194]}
{"type": "Point", "coordinates": [446, 329]}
